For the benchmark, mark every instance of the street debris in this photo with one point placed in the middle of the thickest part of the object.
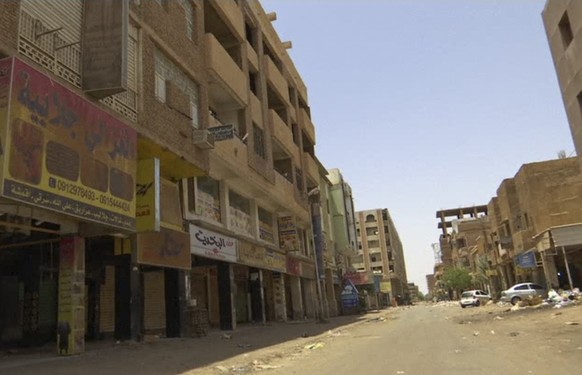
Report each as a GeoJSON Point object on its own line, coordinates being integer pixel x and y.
{"type": "Point", "coordinates": [492, 332]}
{"type": "Point", "coordinates": [244, 345]}
{"type": "Point", "coordinates": [226, 336]}
{"type": "Point", "coordinates": [498, 318]}
{"type": "Point", "coordinates": [572, 323]}
{"type": "Point", "coordinates": [400, 372]}
{"type": "Point", "coordinates": [476, 333]}
{"type": "Point", "coordinates": [513, 334]}
{"type": "Point", "coordinates": [378, 319]}
{"type": "Point", "coordinates": [312, 346]}
{"type": "Point", "coordinates": [222, 368]}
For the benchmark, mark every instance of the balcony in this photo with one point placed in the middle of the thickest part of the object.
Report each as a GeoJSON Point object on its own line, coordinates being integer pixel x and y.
{"type": "Point", "coordinates": [311, 167]}
{"type": "Point", "coordinates": [276, 80]}
{"type": "Point", "coordinates": [307, 125]}
{"type": "Point", "coordinates": [283, 135]}
{"type": "Point", "coordinates": [252, 57]}
{"type": "Point", "coordinates": [284, 189]}
{"type": "Point", "coordinates": [231, 15]}
{"type": "Point", "coordinates": [228, 84]}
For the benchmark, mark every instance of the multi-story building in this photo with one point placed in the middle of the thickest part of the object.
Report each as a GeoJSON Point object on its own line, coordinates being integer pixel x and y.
{"type": "Point", "coordinates": [537, 223]}
{"type": "Point", "coordinates": [155, 160]}
{"type": "Point", "coordinates": [562, 19]}
{"type": "Point", "coordinates": [380, 256]}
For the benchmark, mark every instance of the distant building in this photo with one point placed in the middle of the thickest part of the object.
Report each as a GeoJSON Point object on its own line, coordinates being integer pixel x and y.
{"type": "Point", "coordinates": [380, 262]}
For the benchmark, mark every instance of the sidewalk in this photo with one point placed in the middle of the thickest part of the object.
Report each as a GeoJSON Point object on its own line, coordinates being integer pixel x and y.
{"type": "Point", "coordinates": [176, 355]}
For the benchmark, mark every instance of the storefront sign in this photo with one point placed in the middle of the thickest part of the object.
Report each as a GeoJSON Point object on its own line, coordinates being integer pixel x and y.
{"type": "Point", "coordinates": [147, 195]}
{"type": "Point", "coordinates": [357, 278]}
{"type": "Point", "coordinates": [212, 245]}
{"type": "Point", "coordinates": [166, 248]}
{"type": "Point", "coordinates": [260, 257]}
{"type": "Point", "coordinates": [61, 152]}
{"type": "Point", "coordinates": [287, 234]}
{"type": "Point", "coordinates": [527, 260]}
{"type": "Point", "coordinates": [385, 287]}
{"type": "Point", "coordinates": [307, 270]}
{"type": "Point", "coordinates": [71, 305]}
{"type": "Point", "coordinates": [293, 266]}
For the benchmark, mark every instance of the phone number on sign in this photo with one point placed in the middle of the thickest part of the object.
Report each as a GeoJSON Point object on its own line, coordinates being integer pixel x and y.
{"type": "Point", "coordinates": [87, 194]}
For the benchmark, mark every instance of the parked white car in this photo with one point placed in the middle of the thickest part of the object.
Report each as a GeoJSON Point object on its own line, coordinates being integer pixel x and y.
{"type": "Point", "coordinates": [474, 298]}
{"type": "Point", "coordinates": [521, 291]}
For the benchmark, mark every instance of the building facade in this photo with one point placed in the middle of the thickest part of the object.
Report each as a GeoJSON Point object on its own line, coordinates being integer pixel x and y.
{"type": "Point", "coordinates": [155, 164]}
{"type": "Point", "coordinates": [380, 263]}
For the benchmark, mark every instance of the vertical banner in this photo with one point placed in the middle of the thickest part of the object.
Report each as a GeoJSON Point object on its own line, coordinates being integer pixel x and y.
{"type": "Point", "coordinates": [287, 234]}
{"type": "Point", "coordinates": [5, 80]}
{"type": "Point", "coordinates": [71, 310]}
{"type": "Point", "coordinates": [147, 195]}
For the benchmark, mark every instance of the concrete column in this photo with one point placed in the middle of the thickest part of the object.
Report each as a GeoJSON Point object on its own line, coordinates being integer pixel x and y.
{"type": "Point", "coordinates": [226, 297]}
{"type": "Point", "coordinates": [330, 294]}
{"type": "Point", "coordinates": [296, 298]}
{"type": "Point", "coordinates": [309, 290]}
{"type": "Point", "coordinates": [550, 271]}
{"type": "Point", "coordinates": [279, 293]}
{"type": "Point", "coordinates": [71, 309]}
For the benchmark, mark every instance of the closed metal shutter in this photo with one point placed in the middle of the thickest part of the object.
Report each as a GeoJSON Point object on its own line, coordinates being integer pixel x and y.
{"type": "Point", "coordinates": [107, 302]}
{"type": "Point", "coordinates": [154, 301]}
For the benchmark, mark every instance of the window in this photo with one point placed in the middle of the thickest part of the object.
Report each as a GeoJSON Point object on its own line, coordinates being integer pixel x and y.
{"type": "Point", "coordinates": [370, 219]}
{"type": "Point", "coordinates": [167, 71]}
{"type": "Point", "coordinates": [259, 144]}
{"type": "Point", "coordinates": [373, 244]}
{"type": "Point", "coordinates": [253, 83]}
{"type": "Point", "coordinates": [189, 11]}
{"type": "Point", "coordinates": [208, 198]}
{"type": "Point", "coordinates": [239, 213]}
{"type": "Point", "coordinates": [266, 228]}
{"type": "Point", "coordinates": [372, 231]}
{"type": "Point", "coordinates": [566, 30]}
{"type": "Point", "coordinates": [160, 88]}
{"type": "Point", "coordinates": [522, 287]}
{"type": "Point", "coordinates": [194, 114]}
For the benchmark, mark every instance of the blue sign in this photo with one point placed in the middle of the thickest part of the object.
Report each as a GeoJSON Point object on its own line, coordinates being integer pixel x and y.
{"type": "Point", "coordinates": [527, 260]}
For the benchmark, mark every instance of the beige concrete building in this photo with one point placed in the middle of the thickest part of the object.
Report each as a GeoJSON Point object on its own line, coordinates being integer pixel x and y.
{"type": "Point", "coordinates": [164, 151]}
{"type": "Point", "coordinates": [530, 217]}
{"type": "Point", "coordinates": [563, 20]}
{"type": "Point", "coordinates": [380, 258]}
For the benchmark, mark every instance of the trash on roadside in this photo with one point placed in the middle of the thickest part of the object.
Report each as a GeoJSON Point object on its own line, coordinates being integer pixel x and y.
{"type": "Point", "coordinates": [226, 336]}
{"type": "Point", "coordinates": [244, 345]}
{"type": "Point", "coordinates": [572, 323]}
{"type": "Point", "coordinates": [498, 318]}
{"type": "Point", "coordinates": [492, 332]}
{"type": "Point", "coordinates": [476, 333]}
{"type": "Point", "coordinates": [222, 368]}
{"type": "Point", "coordinates": [513, 334]}
{"type": "Point", "coordinates": [312, 346]}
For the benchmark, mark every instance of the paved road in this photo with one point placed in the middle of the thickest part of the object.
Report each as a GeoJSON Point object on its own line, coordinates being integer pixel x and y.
{"type": "Point", "coordinates": [434, 341]}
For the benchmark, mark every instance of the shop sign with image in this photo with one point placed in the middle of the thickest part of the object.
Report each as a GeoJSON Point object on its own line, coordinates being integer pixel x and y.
{"type": "Point", "coordinates": [61, 152]}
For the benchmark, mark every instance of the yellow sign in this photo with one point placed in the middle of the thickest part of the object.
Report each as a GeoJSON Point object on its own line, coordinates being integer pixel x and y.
{"type": "Point", "coordinates": [385, 286]}
{"type": "Point", "coordinates": [258, 256]}
{"type": "Point", "coordinates": [147, 195]}
{"type": "Point", "coordinates": [61, 152]}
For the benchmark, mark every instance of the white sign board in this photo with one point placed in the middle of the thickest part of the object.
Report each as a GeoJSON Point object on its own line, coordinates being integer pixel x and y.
{"type": "Point", "coordinates": [212, 245]}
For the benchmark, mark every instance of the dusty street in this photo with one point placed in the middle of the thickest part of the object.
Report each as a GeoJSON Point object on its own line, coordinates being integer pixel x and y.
{"type": "Point", "coordinates": [423, 339]}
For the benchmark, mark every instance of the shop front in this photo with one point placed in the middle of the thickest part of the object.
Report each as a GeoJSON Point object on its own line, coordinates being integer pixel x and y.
{"type": "Point", "coordinates": [261, 263]}
{"type": "Point", "coordinates": [66, 166]}
{"type": "Point", "coordinates": [214, 276]}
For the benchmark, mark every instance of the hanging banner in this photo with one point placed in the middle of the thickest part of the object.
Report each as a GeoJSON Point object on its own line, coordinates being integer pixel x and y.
{"type": "Point", "coordinates": [166, 248]}
{"type": "Point", "coordinates": [212, 245]}
{"type": "Point", "coordinates": [63, 153]}
{"type": "Point", "coordinates": [71, 303]}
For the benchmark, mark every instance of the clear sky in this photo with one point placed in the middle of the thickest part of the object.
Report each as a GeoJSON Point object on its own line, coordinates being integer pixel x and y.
{"type": "Point", "coordinates": [426, 105]}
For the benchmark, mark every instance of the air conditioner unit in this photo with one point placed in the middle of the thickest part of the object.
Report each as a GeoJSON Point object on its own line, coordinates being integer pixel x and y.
{"type": "Point", "coordinates": [202, 138]}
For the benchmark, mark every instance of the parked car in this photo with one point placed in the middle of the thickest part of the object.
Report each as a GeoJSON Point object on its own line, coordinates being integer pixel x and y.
{"type": "Point", "coordinates": [474, 298]}
{"type": "Point", "coordinates": [521, 291]}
